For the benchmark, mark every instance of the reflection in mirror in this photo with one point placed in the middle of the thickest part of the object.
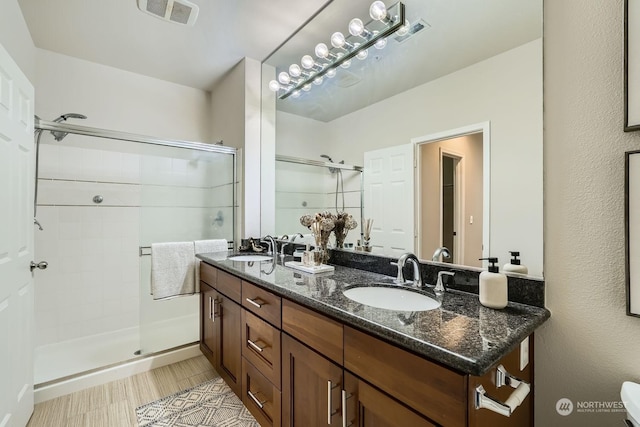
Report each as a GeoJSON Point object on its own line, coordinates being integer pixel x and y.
{"type": "Point", "coordinates": [465, 64]}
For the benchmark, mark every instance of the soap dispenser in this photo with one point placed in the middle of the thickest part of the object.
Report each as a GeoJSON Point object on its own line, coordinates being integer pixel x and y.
{"type": "Point", "coordinates": [493, 286]}
{"type": "Point", "coordinates": [514, 265]}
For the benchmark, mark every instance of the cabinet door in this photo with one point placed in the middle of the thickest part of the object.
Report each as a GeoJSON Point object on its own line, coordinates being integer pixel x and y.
{"type": "Point", "coordinates": [228, 329]}
{"type": "Point", "coordinates": [207, 325]}
{"type": "Point", "coordinates": [311, 387]}
{"type": "Point", "coordinates": [366, 406]}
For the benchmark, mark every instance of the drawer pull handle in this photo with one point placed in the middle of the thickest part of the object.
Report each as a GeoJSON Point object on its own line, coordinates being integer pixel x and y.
{"type": "Point", "coordinates": [255, 399]}
{"type": "Point", "coordinates": [345, 396]}
{"type": "Point", "coordinates": [210, 308]}
{"type": "Point", "coordinates": [256, 346]}
{"type": "Point", "coordinates": [330, 411]}
{"type": "Point", "coordinates": [482, 400]}
{"type": "Point", "coordinates": [257, 302]}
{"type": "Point", "coordinates": [213, 303]}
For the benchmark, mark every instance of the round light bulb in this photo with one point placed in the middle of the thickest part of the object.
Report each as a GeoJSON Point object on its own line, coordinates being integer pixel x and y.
{"type": "Point", "coordinates": [284, 78]}
{"type": "Point", "coordinates": [381, 43]}
{"type": "Point", "coordinates": [306, 87]}
{"type": "Point", "coordinates": [338, 40]}
{"type": "Point", "coordinates": [331, 73]}
{"type": "Point", "coordinates": [307, 62]}
{"type": "Point", "coordinates": [295, 94]}
{"type": "Point", "coordinates": [318, 81]}
{"type": "Point", "coordinates": [295, 70]}
{"type": "Point", "coordinates": [346, 64]}
{"type": "Point", "coordinates": [322, 51]}
{"type": "Point", "coordinates": [363, 54]}
{"type": "Point", "coordinates": [356, 27]}
{"type": "Point", "coordinates": [378, 10]}
{"type": "Point", "coordinates": [274, 85]}
{"type": "Point", "coordinates": [404, 30]}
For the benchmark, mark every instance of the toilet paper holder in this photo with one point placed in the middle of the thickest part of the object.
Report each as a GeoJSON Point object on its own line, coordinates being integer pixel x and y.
{"type": "Point", "coordinates": [484, 401]}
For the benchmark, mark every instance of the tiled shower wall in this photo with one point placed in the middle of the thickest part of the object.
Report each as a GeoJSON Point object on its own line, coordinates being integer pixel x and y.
{"type": "Point", "coordinates": [151, 194]}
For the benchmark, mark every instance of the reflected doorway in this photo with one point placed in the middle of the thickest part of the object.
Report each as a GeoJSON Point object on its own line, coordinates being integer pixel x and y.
{"type": "Point", "coordinates": [451, 203]}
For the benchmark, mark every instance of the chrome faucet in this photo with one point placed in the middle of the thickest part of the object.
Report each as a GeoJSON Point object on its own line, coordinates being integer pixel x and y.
{"type": "Point", "coordinates": [272, 244]}
{"type": "Point", "coordinates": [417, 279]}
{"type": "Point", "coordinates": [441, 251]}
{"type": "Point", "coordinates": [293, 238]}
{"type": "Point", "coordinates": [439, 284]}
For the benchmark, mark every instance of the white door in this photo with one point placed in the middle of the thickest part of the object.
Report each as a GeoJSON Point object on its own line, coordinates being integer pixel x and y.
{"type": "Point", "coordinates": [16, 244]}
{"type": "Point", "coordinates": [389, 199]}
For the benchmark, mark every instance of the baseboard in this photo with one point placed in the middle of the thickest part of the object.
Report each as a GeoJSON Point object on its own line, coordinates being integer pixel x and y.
{"type": "Point", "coordinates": [53, 389]}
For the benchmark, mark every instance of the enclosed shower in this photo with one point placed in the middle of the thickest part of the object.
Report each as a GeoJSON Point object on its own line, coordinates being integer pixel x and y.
{"type": "Point", "coordinates": [306, 186]}
{"type": "Point", "coordinates": [103, 198]}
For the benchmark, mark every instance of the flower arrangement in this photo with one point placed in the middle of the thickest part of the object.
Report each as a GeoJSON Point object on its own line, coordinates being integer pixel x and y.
{"type": "Point", "coordinates": [343, 223]}
{"type": "Point", "coordinates": [321, 224]}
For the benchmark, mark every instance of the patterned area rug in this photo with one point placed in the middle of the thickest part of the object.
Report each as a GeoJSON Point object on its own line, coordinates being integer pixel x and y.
{"type": "Point", "coordinates": [211, 403]}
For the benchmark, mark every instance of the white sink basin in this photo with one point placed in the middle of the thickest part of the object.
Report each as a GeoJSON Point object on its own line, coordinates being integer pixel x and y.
{"type": "Point", "coordinates": [248, 258]}
{"type": "Point", "coordinates": [391, 298]}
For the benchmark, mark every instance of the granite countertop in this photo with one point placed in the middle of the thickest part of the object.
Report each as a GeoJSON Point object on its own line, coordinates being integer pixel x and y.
{"type": "Point", "coordinates": [461, 333]}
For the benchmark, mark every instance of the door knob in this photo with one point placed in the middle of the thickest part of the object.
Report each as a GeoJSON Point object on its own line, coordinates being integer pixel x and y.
{"type": "Point", "coordinates": [42, 265]}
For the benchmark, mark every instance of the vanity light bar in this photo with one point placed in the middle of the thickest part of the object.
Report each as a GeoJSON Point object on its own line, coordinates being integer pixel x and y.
{"type": "Point", "coordinates": [344, 49]}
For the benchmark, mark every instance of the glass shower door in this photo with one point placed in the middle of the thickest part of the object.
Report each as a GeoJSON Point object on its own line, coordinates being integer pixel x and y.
{"type": "Point", "coordinates": [185, 195]}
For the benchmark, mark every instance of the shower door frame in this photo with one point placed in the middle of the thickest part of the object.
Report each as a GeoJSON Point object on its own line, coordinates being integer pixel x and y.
{"type": "Point", "coordinates": [64, 127]}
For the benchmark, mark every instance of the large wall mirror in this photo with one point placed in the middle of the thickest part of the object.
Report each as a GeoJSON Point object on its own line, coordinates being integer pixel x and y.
{"type": "Point", "coordinates": [446, 122]}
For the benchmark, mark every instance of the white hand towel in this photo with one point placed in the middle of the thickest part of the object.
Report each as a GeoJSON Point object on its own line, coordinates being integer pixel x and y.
{"type": "Point", "coordinates": [208, 246]}
{"type": "Point", "coordinates": [172, 269]}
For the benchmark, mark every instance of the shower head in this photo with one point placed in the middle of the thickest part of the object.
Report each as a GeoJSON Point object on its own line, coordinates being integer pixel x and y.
{"type": "Point", "coordinates": [327, 157]}
{"type": "Point", "coordinates": [59, 136]}
{"type": "Point", "coordinates": [64, 117]}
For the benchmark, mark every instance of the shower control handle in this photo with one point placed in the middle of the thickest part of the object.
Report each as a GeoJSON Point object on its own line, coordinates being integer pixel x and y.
{"type": "Point", "coordinates": [42, 265]}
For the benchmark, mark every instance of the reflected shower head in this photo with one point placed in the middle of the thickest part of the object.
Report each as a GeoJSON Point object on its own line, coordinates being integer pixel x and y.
{"type": "Point", "coordinates": [59, 136]}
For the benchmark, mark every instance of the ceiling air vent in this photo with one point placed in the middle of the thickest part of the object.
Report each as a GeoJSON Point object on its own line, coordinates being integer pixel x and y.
{"type": "Point", "coordinates": [178, 11]}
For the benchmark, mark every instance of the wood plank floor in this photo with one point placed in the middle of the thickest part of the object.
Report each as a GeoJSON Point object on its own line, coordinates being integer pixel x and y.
{"type": "Point", "coordinates": [114, 404]}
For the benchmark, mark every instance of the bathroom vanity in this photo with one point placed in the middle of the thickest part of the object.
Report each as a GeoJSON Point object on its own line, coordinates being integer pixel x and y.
{"type": "Point", "coordinates": [298, 352]}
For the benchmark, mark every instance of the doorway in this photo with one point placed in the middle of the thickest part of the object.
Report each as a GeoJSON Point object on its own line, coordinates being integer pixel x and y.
{"type": "Point", "coordinates": [450, 201]}
{"type": "Point", "coordinates": [452, 195]}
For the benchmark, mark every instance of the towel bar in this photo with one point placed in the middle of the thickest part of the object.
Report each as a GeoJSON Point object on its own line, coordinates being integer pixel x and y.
{"type": "Point", "coordinates": [146, 250]}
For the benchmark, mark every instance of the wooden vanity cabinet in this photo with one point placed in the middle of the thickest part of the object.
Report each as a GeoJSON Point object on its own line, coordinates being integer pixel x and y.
{"type": "Point", "coordinates": [261, 354]}
{"type": "Point", "coordinates": [311, 387]}
{"type": "Point", "coordinates": [366, 406]}
{"type": "Point", "coordinates": [305, 369]}
{"type": "Point", "coordinates": [221, 325]}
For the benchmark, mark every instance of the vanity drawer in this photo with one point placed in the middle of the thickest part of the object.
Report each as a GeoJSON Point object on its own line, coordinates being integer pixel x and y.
{"type": "Point", "coordinates": [208, 274]}
{"type": "Point", "coordinates": [261, 397]}
{"type": "Point", "coordinates": [315, 330]}
{"type": "Point", "coordinates": [263, 303]}
{"type": "Point", "coordinates": [229, 285]}
{"type": "Point", "coordinates": [261, 346]}
{"type": "Point", "coordinates": [434, 391]}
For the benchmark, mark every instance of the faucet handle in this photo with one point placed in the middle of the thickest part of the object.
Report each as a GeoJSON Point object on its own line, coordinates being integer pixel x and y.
{"type": "Point", "coordinates": [439, 284]}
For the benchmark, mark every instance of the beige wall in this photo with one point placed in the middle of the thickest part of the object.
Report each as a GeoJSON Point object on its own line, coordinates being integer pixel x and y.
{"type": "Point", "coordinates": [120, 100]}
{"type": "Point", "coordinates": [470, 146]}
{"type": "Point", "coordinates": [589, 346]}
{"type": "Point", "coordinates": [235, 119]}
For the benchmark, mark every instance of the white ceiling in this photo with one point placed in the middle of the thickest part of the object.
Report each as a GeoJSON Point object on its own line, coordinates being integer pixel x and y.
{"type": "Point", "coordinates": [117, 34]}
